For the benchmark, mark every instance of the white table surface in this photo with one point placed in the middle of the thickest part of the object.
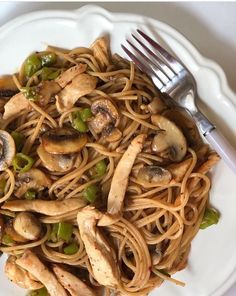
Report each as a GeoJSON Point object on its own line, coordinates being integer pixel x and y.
{"type": "Point", "coordinates": [210, 26]}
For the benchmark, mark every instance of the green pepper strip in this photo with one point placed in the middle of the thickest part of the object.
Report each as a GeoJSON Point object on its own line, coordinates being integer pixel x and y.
{"type": "Point", "coordinates": [30, 194]}
{"type": "Point", "coordinates": [31, 93]}
{"type": "Point", "coordinates": [90, 193]}
{"type": "Point", "coordinates": [32, 64]}
{"type": "Point", "coordinates": [7, 240]}
{"type": "Point", "coordinates": [65, 231]}
{"type": "Point", "coordinates": [53, 234]}
{"type": "Point", "coordinates": [18, 139]}
{"type": "Point", "coordinates": [100, 169]}
{"type": "Point", "coordinates": [85, 114]}
{"type": "Point", "coordinates": [22, 163]}
{"type": "Point", "coordinates": [40, 292]}
{"type": "Point", "coordinates": [211, 216]}
{"type": "Point", "coordinates": [48, 58]}
{"type": "Point", "coordinates": [71, 249]}
{"type": "Point", "coordinates": [49, 74]}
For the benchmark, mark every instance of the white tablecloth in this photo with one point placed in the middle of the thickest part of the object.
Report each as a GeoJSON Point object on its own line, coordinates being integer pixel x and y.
{"type": "Point", "coordinates": [211, 27]}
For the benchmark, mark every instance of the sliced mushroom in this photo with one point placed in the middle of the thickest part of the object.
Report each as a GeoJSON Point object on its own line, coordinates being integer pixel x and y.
{"type": "Point", "coordinates": [27, 226]}
{"type": "Point", "coordinates": [101, 255]}
{"type": "Point", "coordinates": [63, 141]}
{"type": "Point", "coordinates": [181, 118]}
{"type": "Point", "coordinates": [154, 174]}
{"type": "Point", "coordinates": [81, 85]}
{"type": "Point", "coordinates": [111, 133]}
{"type": "Point", "coordinates": [45, 207]}
{"type": "Point", "coordinates": [8, 87]}
{"type": "Point", "coordinates": [33, 179]}
{"type": "Point", "coordinates": [171, 143]}
{"type": "Point", "coordinates": [101, 51]}
{"type": "Point", "coordinates": [70, 74]}
{"type": "Point", "coordinates": [9, 229]}
{"type": "Point", "coordinates": [120, 180]}
{"type": "Point", "coordinates": [56, 162]}
{"type": "Point", "coordinates": [178, 170]}
{"type": "Point", "coordinates": [71, 283]}
{"type": "Point", "coordinates": [106, 115]}
{"type": "Point", "coordinates": [16, 105]}
{"type": "Point", "coordinates": [20, 276]}
{"type": "Point", "coordinates": [7, 150]}
{"type": "Point", "coordinates": [30, 262]}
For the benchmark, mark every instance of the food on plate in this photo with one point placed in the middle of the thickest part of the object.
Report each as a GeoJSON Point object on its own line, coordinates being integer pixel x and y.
{"type": "Point", "coordinates": [103, 186]}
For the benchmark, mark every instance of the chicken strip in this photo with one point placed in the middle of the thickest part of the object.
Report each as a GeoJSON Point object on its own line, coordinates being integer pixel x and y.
{"type": "Point", "coordinates": [20, 276]}
{"type": "Point", "coordinates": [71, 283]}
{"type": "Point", "coordinates": [100, 253]}
{"type": "Point", "coordinates": [50, 208]}
{"type": "Point", "coordinates": [30, 262]}
{"type": "Point", "coordinates": [120, 180]}
{"type": "Point", "coordinates": [70, 74]}
{"type": "Point", "coordinates": [81, 85]}
{"type": "Point", "coordinates": [16, 105]}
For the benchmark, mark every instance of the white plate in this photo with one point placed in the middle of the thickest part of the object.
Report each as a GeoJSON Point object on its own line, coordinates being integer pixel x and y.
{"type": "Point", "coordinates": [212, 263]}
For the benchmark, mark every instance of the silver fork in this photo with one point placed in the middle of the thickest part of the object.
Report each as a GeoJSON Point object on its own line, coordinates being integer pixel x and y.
{"type": "Point", "coordinates": [171, 77]}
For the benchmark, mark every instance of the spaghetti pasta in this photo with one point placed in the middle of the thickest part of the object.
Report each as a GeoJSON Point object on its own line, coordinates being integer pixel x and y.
{"type": "Point", "coordinates": [163, 205]}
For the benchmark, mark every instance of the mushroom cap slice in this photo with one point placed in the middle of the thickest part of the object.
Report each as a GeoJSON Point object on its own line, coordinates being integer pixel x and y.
{"type": "Point", "coordinates": [7, 150]}
{"type": "Point", "coordinates": [111, 133]}
{"type": "Point", "coordinates": [27, 226]}
{"type": "Point", "coordinates": [154, 174]}
{"type": "Point", "coordinates": [106, 115]}
{"type": "Point", "coordinates": [56, 162]}
{"type": "Point", "coordinates": [10, 230]}
{"type": "Point", "coordinates": [183, 120]}
{"type": "Point", "coordinates": [171, 143]}
{"type": "Point", "coordinates": [33, 179]}
{"type": "Point", "coordinates": [63, 141]}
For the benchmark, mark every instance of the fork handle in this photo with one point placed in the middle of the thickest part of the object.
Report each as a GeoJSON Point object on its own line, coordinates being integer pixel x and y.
{"type": "Point", "coordinates": [222, 147]}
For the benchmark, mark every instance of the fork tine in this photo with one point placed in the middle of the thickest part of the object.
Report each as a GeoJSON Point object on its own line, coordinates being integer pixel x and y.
{"type": "Point", "coordinates": [173, 63]}
{"type": "Point", "coordinates": [159, 73]}
{"type": "Point", "coordinates": [165, 68]}
{"type": "Point", "coordinates": [143, 67]}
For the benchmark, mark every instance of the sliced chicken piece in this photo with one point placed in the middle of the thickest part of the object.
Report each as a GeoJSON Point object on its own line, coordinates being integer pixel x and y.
{"type": "Point", "coordinates": [50, 208]}
{"type": "Point", "coordinates": [16, 105]}
{"type": "Point", "coordinates": [100, 253]}
{"type": "Point", "coordinates": [120, 179]}
{"type": "Point", "coordinates": [212, 159]}
{"type": "Point", "coordinates": [178, 170]}
{"type": "Point", "coordinates": [46, 90]}
{"type": "Point", "coordinates": [101, 52]}
{"type": "Point", "coordinates": [71, 283]}
{"type": "Point", "coordinates": [30, 262]}
{"type": "Point", "coordinates": [20, 276]}
{"type": "Point", "coordinates": [81, 85]}
{"type": "Point", "coordinates": [70, 74]}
